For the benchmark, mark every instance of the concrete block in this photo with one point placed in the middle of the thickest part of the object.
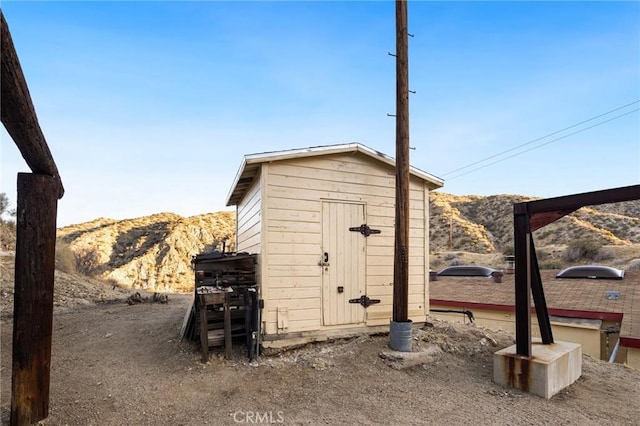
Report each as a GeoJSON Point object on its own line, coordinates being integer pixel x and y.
{"type": "Point", "coordinates": [550, 368]}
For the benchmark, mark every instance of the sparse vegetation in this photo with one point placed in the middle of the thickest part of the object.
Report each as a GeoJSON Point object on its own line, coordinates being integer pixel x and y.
{"type": "Point", "coordinates": [551, 264]}
{"type": "Point", "coordinates": [7, 224]}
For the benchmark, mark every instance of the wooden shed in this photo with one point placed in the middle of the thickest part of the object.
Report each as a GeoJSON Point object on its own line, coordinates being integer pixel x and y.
{"type": "Point", "coordinates": [321, 220]}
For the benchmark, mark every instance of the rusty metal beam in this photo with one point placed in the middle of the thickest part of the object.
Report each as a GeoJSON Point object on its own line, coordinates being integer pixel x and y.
{"type": "Point", "coordinates": [541, 211]}
{"type": "Point", "coordinates": [538, 297]}
{"type": "Point", "coordinates": [538, 220]}
{"type": "Point", "coordinates": [521, 247]}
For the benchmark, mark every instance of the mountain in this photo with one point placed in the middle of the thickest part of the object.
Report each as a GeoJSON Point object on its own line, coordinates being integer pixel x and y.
{"type": "Point", "coordinates": [154, 252]}
{"type": "Point", "coordinates": [151, 252]}
{"type": "Point", "coordinates": [484, 224]}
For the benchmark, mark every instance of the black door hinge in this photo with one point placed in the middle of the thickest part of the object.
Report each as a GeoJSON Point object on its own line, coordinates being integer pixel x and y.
{"type": "Point", "coordinates": [365, 301]}
{"type": "Point", "coordinates": [364, 230]}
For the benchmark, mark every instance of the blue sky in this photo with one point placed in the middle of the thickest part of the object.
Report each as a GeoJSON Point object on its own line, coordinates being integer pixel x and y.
{"type": "Point", "coordinates": [149, 107]}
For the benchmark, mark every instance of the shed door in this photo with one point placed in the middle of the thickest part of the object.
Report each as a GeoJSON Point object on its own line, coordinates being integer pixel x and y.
{"type": "Point", "coordinates": [343, 272]}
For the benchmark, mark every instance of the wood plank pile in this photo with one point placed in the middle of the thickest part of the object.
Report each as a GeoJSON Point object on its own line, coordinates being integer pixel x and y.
{"type": "Point", "coordinates": [233, 274]}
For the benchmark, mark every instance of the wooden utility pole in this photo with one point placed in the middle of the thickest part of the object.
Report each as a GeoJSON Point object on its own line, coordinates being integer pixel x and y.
{"type": "Point", "coordinates": [401, 256]}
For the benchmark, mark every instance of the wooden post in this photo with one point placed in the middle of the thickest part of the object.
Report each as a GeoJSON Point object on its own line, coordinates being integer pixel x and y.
{"type": "Point", "coordinates": [401, 256]}
{"type": "Point", "coordinates": [227, 325]}
{"type": "Point", "coordinates": [204, 327]}
{"type": "Point", "coordinates": [33, 297]}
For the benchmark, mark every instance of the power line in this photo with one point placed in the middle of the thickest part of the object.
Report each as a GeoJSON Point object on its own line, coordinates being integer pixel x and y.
{"type": "Point", "coordinates": [538, 146]}
{"type": "Point", "coordinates": [543, 137]}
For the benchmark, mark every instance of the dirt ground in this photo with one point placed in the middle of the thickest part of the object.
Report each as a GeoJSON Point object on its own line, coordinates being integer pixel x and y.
{"type": "Point", "coordinates": [120, 364]}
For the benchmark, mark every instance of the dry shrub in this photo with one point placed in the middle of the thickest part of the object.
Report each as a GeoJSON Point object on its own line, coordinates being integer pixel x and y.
{"type": "Point", "coordinates": [604, 254]}
{"type": "Point", "coordinates": [551, 264]}
{"type": "Point", "coordinates": [508, 249]}
{"type": "Point", "coordinates": [634, 265]}
{"type": "Point", "coordinates": [65, 258]}
{"type": "Point", "coordinates": [450, 256]}
{"type": "Point", "coordinates": [7, 235]}
{"type": "Point", "coordinates": [581, 249]}
{"type": "Point", "coordinates": [435, 260]}
{"type": "Point", "coordinates": [87, 261]}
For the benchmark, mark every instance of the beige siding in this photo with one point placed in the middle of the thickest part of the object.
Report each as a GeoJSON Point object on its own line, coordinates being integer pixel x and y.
{"type": "Point", "coordinates": [425, 247]}
{"type": "Point", "coordinates": [633, 358]}
{"type": "Point", "coordinates": [249, 221]}
{"type": "Point", "coordinates": [292, 213]}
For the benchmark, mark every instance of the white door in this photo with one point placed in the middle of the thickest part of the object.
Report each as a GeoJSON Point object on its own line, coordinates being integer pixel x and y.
{"type": "Point", "coordinates": [343, 259]}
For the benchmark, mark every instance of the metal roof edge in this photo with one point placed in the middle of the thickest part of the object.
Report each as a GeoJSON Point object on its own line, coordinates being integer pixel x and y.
{"type": "Point", "coordinates": [301, 152]}
{"type": "Point", "coordinates": [235, 181]}
{"type": "Point", "coordinates": [263, 157]}
{"type": "Point", "coordinates": [435, 181]}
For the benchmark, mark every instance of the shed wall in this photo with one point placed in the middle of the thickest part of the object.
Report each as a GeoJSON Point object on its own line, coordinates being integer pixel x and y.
{"type": "Point", "coordinates": [249, 219]}
{"type": "Point", "coordinates": [633, 358]}
{"type": "Point", "coordinates": [292, 212]}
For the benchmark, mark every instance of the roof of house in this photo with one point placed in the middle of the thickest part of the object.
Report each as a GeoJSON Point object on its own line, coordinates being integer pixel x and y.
{"type": "Point", "coordinates": [251, 164]}
{"type": "Point", "coordinates": [576, 298]}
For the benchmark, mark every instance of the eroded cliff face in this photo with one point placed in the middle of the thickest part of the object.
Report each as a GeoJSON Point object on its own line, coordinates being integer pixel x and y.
{"type": "Point", "coordinates": [484, 224]}
{"type": "Point", "coordinates": [152, 252]}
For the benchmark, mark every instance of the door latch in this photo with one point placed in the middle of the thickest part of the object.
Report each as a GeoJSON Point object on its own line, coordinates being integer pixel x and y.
{"type": "Point", "coordinates": [325, 259]}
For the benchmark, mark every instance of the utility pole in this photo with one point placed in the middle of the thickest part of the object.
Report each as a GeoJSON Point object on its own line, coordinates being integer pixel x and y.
{"type": "Point", "coordinates": [401, 256]}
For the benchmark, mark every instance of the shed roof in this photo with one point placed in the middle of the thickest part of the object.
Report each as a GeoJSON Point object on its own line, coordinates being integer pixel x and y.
{"type": "Point", "coordinates": [251, 164]}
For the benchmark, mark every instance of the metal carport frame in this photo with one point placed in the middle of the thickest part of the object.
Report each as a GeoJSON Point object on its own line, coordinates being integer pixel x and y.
{"type": "Point", "coordinates": [528, 217]}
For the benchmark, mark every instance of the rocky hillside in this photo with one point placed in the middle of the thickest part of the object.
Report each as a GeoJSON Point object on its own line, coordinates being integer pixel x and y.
{"type": "Point", "coordinates": [152, 252]}
{"type": "Point", "coordinates": [485, 224]}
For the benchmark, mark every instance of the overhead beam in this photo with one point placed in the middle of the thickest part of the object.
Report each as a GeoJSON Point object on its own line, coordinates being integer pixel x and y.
{"type": "Point", "coordinates": [544, 212]}
{"type": "Point", "coordinates": [18, 114]}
